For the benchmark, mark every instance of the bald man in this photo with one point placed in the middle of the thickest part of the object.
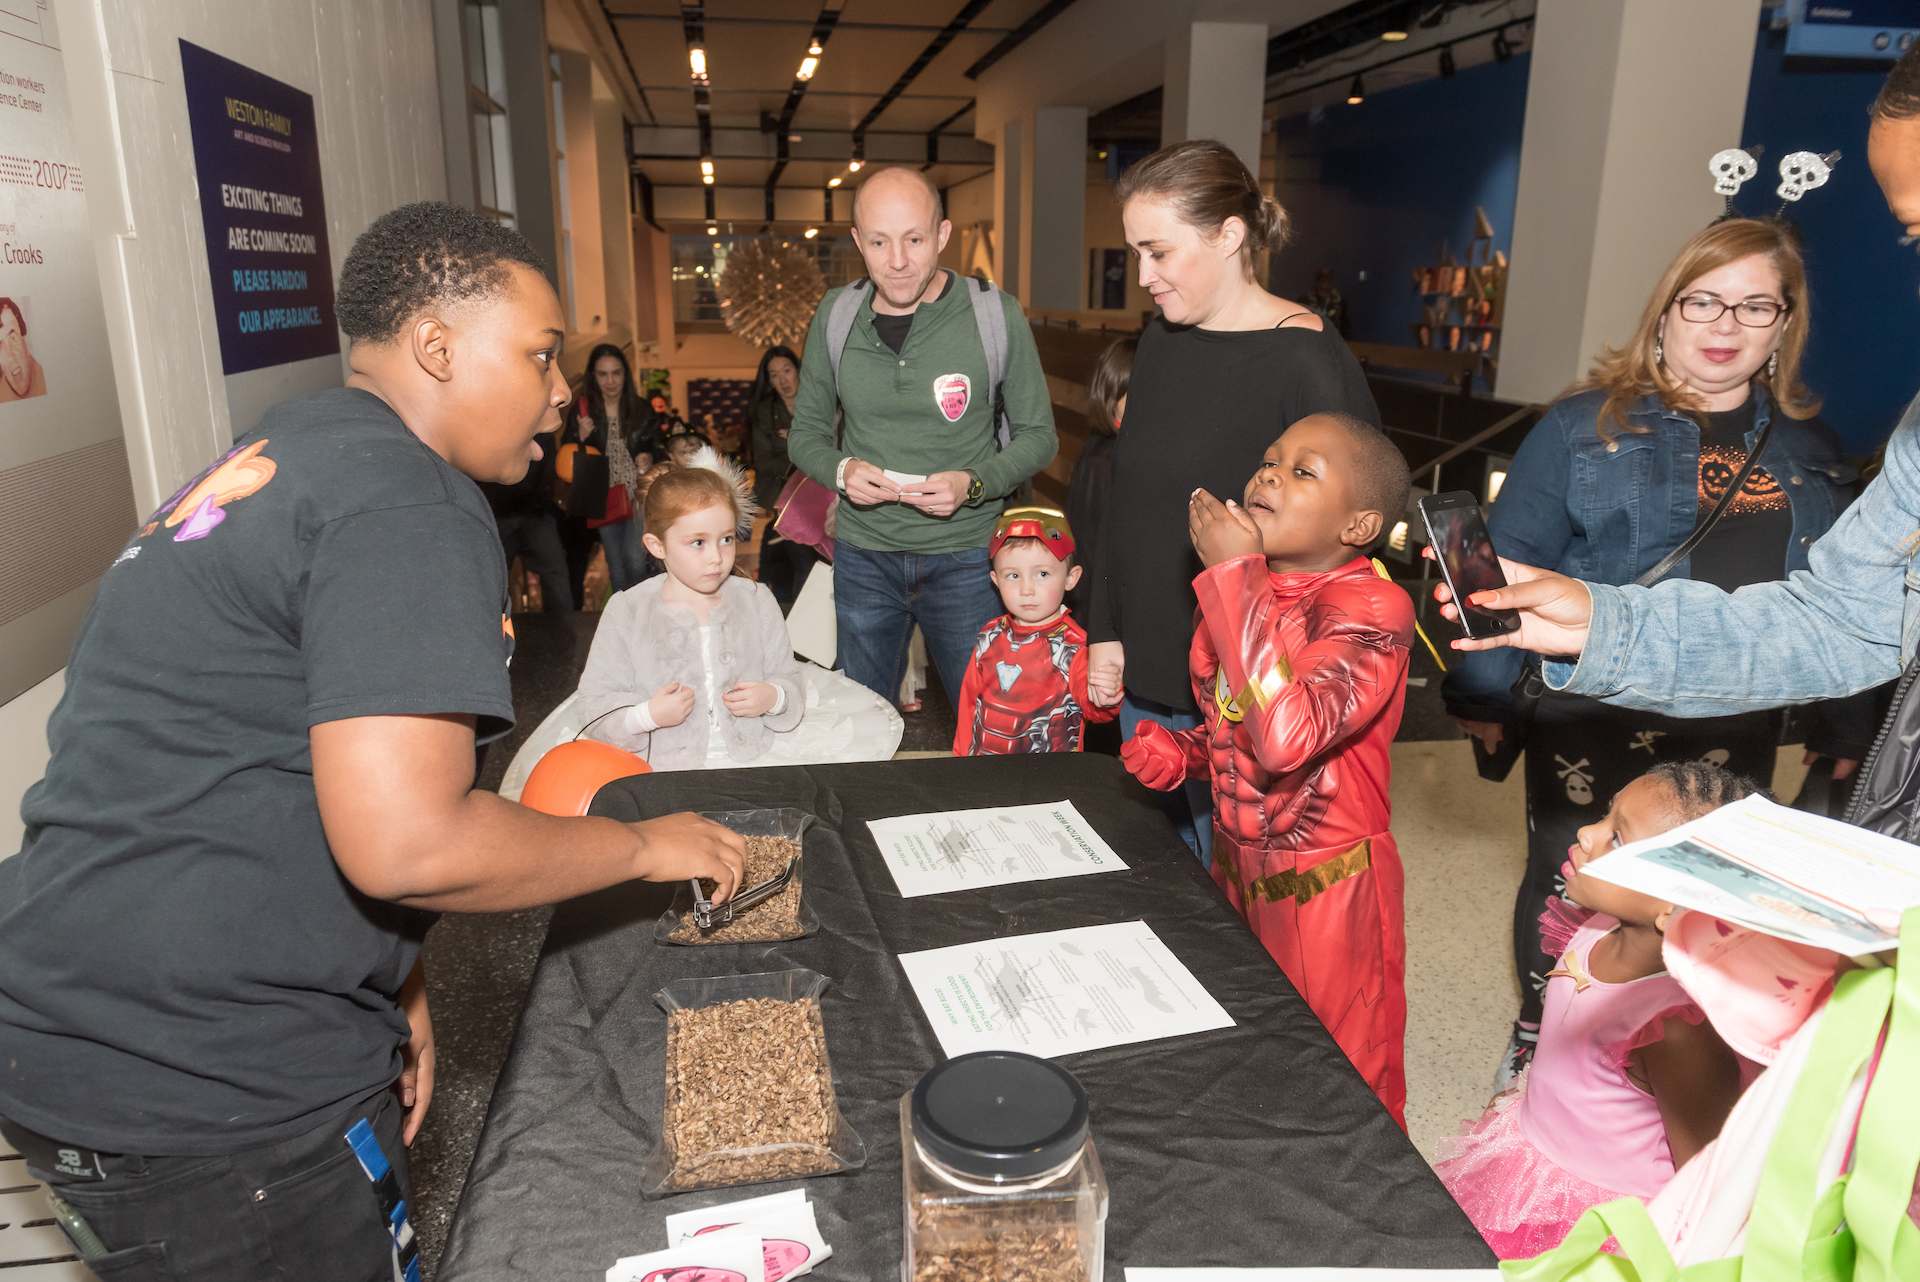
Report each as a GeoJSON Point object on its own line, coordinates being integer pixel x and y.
{"type": "Point", "coordinates": [916, 455]}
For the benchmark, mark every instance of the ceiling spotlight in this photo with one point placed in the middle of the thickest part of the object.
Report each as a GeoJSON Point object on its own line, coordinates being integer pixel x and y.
{"type": "Point", "coordinates": [853, 166]}
{"type": "Point", "coordinates": [697, 59]}
{"type": "Point", "coordinates": [814, 50]}
{"type": "Point", "coordinates": [1502, 51]}
{"type": "Point", "coordinates": [706, 167]}
{"type": "Point", "coordinates": [707, 179]}
{"type": "Point", "coordinates": [833, 182]}
{"type": "Point", "coordinates": [713, 231]}
{"type": "Point", "coordinates": [812, 232]}
{"type": "Point", "coordinates": [806, 68]}
{"type": "Point", "coordinates": [1356, 93]}
{"type": "Point", "coordinates": [1446, 62]}
{"type": "Point", "coordinates": [1392, 36]}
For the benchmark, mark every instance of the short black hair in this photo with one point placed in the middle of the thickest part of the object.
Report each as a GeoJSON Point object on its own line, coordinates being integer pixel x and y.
{"type": "Point", "coordinates": [1700, 787]}
{"type": "Point", "coordinates": [1900, 96]}
{"type": "Point", "coordinates": [1383, 481]}
{"type": "Point", "coordinates": [420, 256]}
{"type": "Point", "coordinates": [8, 305]}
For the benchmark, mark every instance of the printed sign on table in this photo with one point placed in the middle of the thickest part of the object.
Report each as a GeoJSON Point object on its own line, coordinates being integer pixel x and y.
{"type": "Point", "coordinates": [258, 162]}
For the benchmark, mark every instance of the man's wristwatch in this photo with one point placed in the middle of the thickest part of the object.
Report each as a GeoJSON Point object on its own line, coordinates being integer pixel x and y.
{"type": "Point", "coordinates": [975, 488]}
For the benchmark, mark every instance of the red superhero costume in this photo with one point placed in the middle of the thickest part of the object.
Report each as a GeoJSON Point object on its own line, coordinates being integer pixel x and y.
{"type": "Point", "coordinates": [1026, 690]}
{"type": "Point", "coordinates": [1300, 680]}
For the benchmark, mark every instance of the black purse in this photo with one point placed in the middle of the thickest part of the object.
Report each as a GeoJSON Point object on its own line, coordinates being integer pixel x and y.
{"type": "Point", "coordinates": [591, 477]}
{"type": "Point", "coordinates": [1531, 684]}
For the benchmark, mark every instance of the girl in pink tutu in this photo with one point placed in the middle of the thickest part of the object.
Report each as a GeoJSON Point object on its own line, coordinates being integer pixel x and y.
{"type": "Point", "coordinates": [1629, 1080]}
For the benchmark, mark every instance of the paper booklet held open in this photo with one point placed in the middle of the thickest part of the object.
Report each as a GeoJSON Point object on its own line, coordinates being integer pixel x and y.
{"type": "Point", "coordinates": [1782, 872]}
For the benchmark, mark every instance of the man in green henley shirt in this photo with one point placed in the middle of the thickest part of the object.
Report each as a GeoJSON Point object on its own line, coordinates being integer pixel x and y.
{"type": "Point", "coordinates": [916, 458]}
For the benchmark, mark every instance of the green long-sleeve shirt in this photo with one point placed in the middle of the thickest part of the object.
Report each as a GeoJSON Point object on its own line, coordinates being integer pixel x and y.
{"type": "Point", "coordinates": [898, 413]}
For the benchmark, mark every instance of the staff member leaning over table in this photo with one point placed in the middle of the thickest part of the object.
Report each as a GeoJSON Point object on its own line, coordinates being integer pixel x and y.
{"type": "Point", "coordinates": [261, 792]}
{"type": "Point", "coordinates": [1610, 483]}
{"type": "Point", "coordinates": [1848, 622]}
{"type": "Point", "coordinates": [917, 401]}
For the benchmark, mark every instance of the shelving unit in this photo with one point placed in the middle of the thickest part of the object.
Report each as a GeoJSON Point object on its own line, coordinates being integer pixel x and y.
{"type": "Point", "coordinates": [1461, 306]}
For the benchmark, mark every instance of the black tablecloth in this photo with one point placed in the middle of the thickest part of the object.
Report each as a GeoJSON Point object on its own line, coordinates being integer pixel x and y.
{"type": "Point", "coordinates": [1255, 1145]}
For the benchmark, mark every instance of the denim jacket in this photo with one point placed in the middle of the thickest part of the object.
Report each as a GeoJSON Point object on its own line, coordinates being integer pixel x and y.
{"type": "Point", "coordinates": [1608, 511]}
{"type": "Point", "coordinates": [1848, 622]}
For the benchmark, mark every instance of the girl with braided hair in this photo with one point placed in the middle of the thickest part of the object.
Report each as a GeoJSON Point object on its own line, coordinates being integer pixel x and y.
{"type": "Point", "coordinates": [1629, 1080]}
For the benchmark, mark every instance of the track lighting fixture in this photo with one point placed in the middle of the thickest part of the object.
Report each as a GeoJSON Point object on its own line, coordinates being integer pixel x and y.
{"type": "Point", "coordinates": [1356, 93]}
{"type": "Point", "coordinates": [1447, 69]}
{"type": "Point", "coordinates": [1393, 37]}
{"type": "Point", "coordinates": [807, 66]}
{"type": "Point", "coordinates": [1502, 51]}
{"type": "Point", "coordinates": [833, 182]}
{"type": "Point", "coordinates": [697, 60]}
{"type": "Point", "coordinates": [812, 232]}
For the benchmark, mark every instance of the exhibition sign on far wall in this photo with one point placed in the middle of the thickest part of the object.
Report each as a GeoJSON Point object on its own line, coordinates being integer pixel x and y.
{"type": "Point", "coordinates": [63, 461]}
{"type": "Point", "coordinates": [258, 162]}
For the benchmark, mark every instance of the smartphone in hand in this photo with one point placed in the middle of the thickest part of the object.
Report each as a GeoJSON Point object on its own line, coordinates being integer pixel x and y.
{"type": "Point", "coordinates": [1467, 561]}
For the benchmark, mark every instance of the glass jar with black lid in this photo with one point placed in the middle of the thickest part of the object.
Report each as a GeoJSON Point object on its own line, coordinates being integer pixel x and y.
{"type": "Point", "coordinates": [1000, 1174]}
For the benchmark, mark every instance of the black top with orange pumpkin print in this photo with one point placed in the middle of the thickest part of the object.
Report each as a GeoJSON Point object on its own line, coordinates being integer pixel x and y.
{"type": "Point", "coordinates": [1749, 543]}
{"type": "Point", "coordinates": [184, 970]}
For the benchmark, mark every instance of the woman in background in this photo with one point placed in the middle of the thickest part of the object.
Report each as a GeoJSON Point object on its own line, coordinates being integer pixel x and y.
{"type": "Point", "coordinates": [613, 412]}
{"type": "Point", "coordinates": [783, 564]}
{"type": "Point", "coordinates": [1092, 478]}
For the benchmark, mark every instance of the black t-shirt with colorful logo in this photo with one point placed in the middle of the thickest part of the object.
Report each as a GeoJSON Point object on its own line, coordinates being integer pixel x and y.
{"type": "Point", "coordinates": [183, 968]}
{"type": "Point", "coordinates": [1749, 543]}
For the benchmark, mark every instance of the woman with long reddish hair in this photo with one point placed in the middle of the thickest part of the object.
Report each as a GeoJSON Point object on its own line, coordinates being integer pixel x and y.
{"type": "Point", "coordinates": [1616, 475]}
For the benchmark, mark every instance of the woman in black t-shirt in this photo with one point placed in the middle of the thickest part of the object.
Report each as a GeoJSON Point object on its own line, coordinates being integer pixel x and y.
{"type": "Point", "coordinates": [1219, 375]}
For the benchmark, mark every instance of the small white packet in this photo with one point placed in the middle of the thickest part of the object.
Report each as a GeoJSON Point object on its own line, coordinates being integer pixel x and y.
{"type": "Point", "coordinates": [722, 1257]}
{"type": "Point", "coordinates": [901, 479]}
{"type": "Point", "coordinates": [725, 1215]}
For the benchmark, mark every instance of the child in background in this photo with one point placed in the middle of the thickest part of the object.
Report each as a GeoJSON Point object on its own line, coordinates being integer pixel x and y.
{"type": "Point", "coordinates": [1299, 665]}
{"type": "Point", "coordinates": [682, 447]}
{"type": "Point", "coordinates": [693, 665]}
{"type": "Point", "coordinates": [1092, 478]}
{"type": "Point", "coordinates": [1628, 1081]}
{"type": "Point", "coordinates": [1026, 687]}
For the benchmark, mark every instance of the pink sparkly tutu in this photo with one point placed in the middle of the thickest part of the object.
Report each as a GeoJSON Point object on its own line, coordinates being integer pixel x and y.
{"type": "Point", "coordinates": [1521, 1202]}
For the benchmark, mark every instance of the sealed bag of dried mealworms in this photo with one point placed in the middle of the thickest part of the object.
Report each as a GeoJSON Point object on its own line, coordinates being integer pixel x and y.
{"type": "Point", "coordinates": [774, 839]}
{"type": "Point", "coordinates": [749, 1094]}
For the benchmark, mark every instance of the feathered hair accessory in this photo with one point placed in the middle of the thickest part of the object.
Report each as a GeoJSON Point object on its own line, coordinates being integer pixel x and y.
{"type": "Point", "coordinates": [734, 475]}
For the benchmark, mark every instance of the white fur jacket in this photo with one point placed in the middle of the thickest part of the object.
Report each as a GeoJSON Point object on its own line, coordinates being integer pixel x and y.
{"type": "Point", "coordinates": [643, 644]}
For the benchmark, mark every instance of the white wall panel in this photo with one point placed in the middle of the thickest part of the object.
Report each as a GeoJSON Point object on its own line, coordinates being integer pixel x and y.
{"type": "Point", "coordinates": [369, 65]}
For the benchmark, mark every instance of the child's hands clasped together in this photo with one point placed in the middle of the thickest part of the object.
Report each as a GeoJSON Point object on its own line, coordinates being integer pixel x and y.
{"type": "Point", "coordinates": [1222, 531]}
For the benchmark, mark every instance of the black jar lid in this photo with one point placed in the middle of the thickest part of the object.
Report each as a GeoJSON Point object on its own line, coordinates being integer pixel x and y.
{"type": "Point", "coordinates": [1000, 1115]}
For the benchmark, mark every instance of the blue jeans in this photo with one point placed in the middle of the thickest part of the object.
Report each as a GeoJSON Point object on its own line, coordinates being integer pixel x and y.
{"type": "Point", "coordinates": [626, 557]}
{"type": "Point", "coordinates": [879, 596]}
{"type": "Point", "coordinates": [1191, 809]}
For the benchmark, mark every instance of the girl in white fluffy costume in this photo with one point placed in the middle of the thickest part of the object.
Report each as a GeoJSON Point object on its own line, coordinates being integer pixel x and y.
{"type": "Point", "coordinates": [693, 665]}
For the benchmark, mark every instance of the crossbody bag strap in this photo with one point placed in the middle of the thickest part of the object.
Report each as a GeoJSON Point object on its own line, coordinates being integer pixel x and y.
{"type": "Point", "coordinates": [1705, 528]}
{"type": "Point", "coordinates": [840, 321]}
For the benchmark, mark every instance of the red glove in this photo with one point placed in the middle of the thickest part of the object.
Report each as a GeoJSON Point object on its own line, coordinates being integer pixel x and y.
{"type": "Point", "coordinates": [1156, 756]}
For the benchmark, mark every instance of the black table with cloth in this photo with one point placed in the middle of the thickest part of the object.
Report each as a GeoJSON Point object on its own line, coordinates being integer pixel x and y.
{"type": "Point", "coordinates": [1256, 1145]}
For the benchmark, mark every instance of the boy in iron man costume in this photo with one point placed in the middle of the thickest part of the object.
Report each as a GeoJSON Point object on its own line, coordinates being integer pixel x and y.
{"type": "Point", "coordinates": [1026, 688]}
{"type": "Point", "coordinates": [1299, 666]}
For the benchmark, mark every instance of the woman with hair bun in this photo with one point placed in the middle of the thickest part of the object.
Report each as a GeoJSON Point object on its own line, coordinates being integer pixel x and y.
{"type": "Point", "coordinates": [1222, 371]}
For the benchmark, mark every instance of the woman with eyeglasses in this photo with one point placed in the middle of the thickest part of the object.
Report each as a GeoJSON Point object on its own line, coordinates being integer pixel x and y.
{"type": "Point", "coordinates": [1618, 473]}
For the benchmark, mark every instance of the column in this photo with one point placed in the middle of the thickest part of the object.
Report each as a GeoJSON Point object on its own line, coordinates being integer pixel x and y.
{"type": "Point", "coordinates": [1626, 101]}
{"type": "Point", "coordinates": [1007, 179]}
{"type": "Point", "coordinates": [1216, 86]}
{"type": "Point", "coordinates": [1059, 228]}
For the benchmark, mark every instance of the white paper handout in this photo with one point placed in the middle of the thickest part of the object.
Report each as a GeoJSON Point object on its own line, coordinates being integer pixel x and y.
{"type": "Point", "coordinates": [1060, 992]}
{"type": "Point", "coordinates": [963, 849]}
{"type": "Point", "coordinates": [719, 1257]}
{"type": "Point", "coordinates": [902, 480]}
{"type": "Point", "coordinates": [1784, 872]}
{"type": "Point", "coordinates": [784, 1224]}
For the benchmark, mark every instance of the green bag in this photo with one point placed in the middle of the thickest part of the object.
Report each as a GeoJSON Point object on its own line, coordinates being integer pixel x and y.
{"type": "Point", "coordinates": [1857, 1230]}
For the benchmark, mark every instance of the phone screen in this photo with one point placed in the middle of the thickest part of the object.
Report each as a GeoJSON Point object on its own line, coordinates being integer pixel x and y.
{"type": "Point", "coordinates": [1466, 554]}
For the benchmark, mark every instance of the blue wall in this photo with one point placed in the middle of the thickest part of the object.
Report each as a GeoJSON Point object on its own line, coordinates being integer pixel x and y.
{"type": "Point", "coordinates": [1864, 356]}
{"type": "Point", "coordinates": [1399, 173]}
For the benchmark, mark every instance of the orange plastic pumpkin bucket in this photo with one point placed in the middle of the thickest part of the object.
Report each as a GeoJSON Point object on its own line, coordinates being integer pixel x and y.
{"type": "Point", "coordinates": [565, 780]}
